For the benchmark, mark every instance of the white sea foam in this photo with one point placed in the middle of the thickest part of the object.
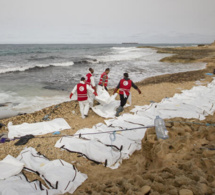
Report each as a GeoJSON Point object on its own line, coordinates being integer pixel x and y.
{"type": "Point", "coordinates": [63, 64]}
{"type": "Point", "coordinates": [124, 54]}
{"type": "Point", "coordinates": [6, 69]}
{"type": "Point", "coordinates": [27, 104]}
{"type": "Point", "coordinates": [11, 97]}
{"type": "Point", "coordinates": [32, 104]}
{"type": "Point", "coordinates": [13, 69]}
{"type": "Point", "coordinates": [126, 49]}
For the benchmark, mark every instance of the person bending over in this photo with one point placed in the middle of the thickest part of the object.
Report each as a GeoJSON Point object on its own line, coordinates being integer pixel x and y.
{"type": "Point", "coordinates": [124, 87]}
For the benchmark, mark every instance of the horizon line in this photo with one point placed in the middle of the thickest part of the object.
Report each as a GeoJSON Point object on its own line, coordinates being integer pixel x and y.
{"type": "Point", "coordinates": [123, 43]}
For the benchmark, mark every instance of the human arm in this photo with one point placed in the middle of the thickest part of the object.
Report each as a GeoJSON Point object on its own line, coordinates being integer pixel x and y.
{"type": "Point", "coordinates": [92, 81]}
{"type": "Point", "coordinates": [139, 91]}
{"type": "Point", "coordinates": [116, 89]}
{"type": "Point", "coordinates": [91, 90]}
{"type": "Point", "coordinates": [73, 91]}
{"type": "Point", "coordinates": [135, 87]}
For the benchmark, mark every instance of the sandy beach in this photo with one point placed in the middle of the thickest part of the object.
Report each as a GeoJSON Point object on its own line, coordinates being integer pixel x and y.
{"type": "Point", "coordinates": [183, 164]}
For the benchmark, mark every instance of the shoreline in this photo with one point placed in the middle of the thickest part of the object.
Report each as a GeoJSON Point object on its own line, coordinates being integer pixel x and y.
{"type": "Point", "coordinates": [164, 166]}
{"type": "Point", "coordinates": [149, 80]}
{"type": "Point", "coordinates": [162, 80]}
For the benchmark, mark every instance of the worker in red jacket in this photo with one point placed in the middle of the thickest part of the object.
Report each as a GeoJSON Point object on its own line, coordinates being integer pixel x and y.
{"type": "Point", "coordinates": [90, 78]}
{"type": "Point", "coordinates": [91, 82]}
{"type": "Point", "coordinates": [104, 78]}
{"type": "Point", "coordinates": [82, 90]}
{"type": "Point", "coordinates": [124, 87]}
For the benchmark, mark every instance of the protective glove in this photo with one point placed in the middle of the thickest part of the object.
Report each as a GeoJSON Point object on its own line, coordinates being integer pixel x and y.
{"type": "Point", "coordinates": [71, 95]}
{"type": "Point", "coordinates": [139, 91]}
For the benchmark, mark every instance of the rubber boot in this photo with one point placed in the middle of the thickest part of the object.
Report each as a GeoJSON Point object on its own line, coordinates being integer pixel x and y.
{"type": "Point", "coordinates": [118, 110]}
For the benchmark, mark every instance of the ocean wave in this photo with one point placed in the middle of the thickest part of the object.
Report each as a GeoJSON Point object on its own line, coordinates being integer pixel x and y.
{"type": "Point", "coordinates": [37, 103]}
{"type": "Point", "coordinates": [90, 60]}
{"type": "Point", "coordinates": [124, 48]}
{"type": "Point", "coordinates": [123, 54]}
{"type": "Point", "coordinates": [14, 102]}
{"type": "Point", "coordinates": [62, 64]}
{"type": "Point", "coordinates": [13, 69]}
{"type": "Point", "coordinates": [33, 58]}
{"type": "Point", "coordinates": [39, 66]}
{"type": "Point", "coordinates": [15, 53]}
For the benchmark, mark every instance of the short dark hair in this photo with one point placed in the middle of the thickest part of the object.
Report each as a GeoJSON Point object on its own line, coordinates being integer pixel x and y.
{"type": "Point", "coordinates": [107, 69]}
{"type": "Point", "coordinates": [90, 69]}
{"type": "Point", "coordinates": [82, 79]}
{"type": "Point", "coordinates": [126, 75]}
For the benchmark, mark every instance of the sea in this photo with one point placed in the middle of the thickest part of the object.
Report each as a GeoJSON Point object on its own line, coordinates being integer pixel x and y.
{"type": "Point", "coordinates": [36, 76]}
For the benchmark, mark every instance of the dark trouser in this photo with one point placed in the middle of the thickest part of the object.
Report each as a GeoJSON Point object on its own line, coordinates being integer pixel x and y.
{"type": "Point", "coordinates": [123, 100]}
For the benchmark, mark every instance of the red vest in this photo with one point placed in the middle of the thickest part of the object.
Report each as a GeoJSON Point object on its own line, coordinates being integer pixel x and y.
{"type": "Point", "coordinates": [101, 79]}
{"type": "Point", "coordinates": [125, 86]}
{"type": "Point", "coordinates": [88, 79]}
{"type": "Point", "coordinates": [82, 92]}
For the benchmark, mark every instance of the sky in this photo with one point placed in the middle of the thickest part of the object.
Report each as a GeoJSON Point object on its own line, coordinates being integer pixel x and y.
{"type": "Point", "coordinates": [107, 21]}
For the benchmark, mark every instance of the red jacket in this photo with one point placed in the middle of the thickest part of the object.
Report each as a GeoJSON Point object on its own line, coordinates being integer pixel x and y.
{"type": "Point", "coordinates": [88, 80]}
{"type": "Point", "coordinates": [125, 86]}
{"type": "Point", "coordinates": [82, 92]}
{"type": "Point", "coordinates": [101, 79]}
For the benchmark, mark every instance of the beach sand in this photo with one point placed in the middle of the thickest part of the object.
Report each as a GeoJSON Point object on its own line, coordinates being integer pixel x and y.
{"type": "Point", "coordinates": [183, 162]}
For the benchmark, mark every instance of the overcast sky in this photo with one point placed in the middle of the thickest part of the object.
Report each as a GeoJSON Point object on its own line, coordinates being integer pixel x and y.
{"type": "Point", "coordinates": [107, 21]}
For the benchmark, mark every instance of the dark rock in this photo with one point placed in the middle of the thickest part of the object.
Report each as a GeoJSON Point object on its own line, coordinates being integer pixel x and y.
{"type": "Point", "coordinates": [1, 125]}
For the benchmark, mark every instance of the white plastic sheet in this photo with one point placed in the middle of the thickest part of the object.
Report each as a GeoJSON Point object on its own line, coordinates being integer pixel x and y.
{"type": "Point", "coordinates": [19, 185]}
{"type": "Point", "coordinates": [195, 103]}
{"type": "Point", "coordinates": [103, 96]}
{"type": "Point", "coordinates": [117, 139]}
{"type": "Point", "coordinates": [107, 110]}
{"type": "Point", "coordinates": [108, 106]}
{"type": "Point", "coordinates": [39, 128]}
{"type": "Point", "coordinates": [58, 174]}
{"type": "Point", "coordinates": [91, 149]}
{"type": "Point", "coordinates": [10, 166]}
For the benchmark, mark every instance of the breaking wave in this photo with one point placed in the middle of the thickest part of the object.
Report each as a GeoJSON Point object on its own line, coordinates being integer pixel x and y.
{"type": "Point", "coordinates": [39, 66]}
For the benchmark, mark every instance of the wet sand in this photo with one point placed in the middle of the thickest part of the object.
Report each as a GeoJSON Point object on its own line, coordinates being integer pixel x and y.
{"type": "Point", "coordinates": [184, 161]}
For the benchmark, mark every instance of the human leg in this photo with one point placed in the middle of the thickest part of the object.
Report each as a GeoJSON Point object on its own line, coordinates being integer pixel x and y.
{"type": "Point", "coordinates": [86, 107]}
{"type": "Point", "coordinates": [91, 99]}
{"type": "Point", "coordinates": [123, 100]}
{"type": "Point", "coordinates": [81, 105]}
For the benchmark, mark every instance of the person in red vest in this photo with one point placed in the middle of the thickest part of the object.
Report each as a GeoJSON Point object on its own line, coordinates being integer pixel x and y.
{"type": "Point", "coordinates": [104, 78]}
{"type": "Point", "coordinates": [82, 90]}
{"type": "Point", "coordinates": [91, 82]}
{"type": "Point", "coordinates": [124, 87]}
{"type": "Point", "coordinates": [90, 78]}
